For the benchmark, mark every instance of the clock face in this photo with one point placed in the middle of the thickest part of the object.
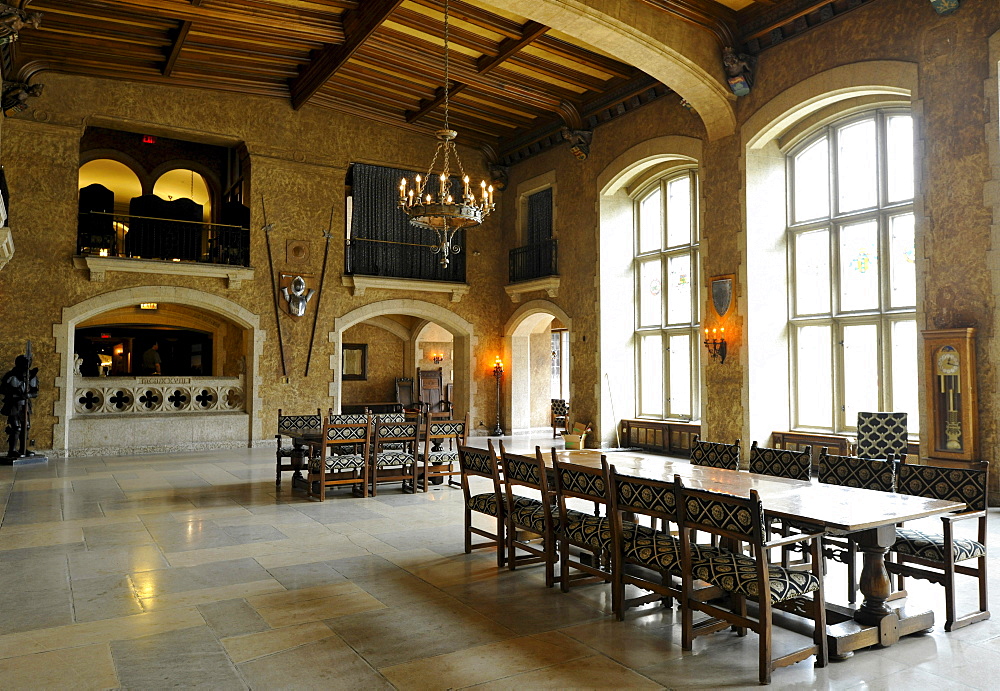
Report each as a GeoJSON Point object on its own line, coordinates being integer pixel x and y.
{"type": "Point", "coordinates": [947, 361]}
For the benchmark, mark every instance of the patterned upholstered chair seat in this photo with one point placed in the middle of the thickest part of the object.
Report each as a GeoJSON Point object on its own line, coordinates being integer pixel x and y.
{"type": "Point", "coordinates": [439, 457]}
{"type": "Point", "coordinates": [931, 545]}
{"type": "Point", "coordinates": [737, 573]}
{"type": "Point", "coordinates": [596, 530]}
{"type": "Point", "coordinates": [487, 503]}
{"type": "Point", "coordinates": [662, 552]}
{"type": "Point", "coordinates": [533, 516]}
{"type": "Point", "coordinates": [393, 458]}
{"type": "Point", "coordinates": [347, 461]}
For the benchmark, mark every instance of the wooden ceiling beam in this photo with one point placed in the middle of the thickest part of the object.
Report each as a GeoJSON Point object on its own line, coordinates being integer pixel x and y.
{"type": "Point", "coordinates": [179, 39]}
{"type": "Point", "coordinates": [571, 52]}
{"type": "Point", "coordinates": [360, 25]}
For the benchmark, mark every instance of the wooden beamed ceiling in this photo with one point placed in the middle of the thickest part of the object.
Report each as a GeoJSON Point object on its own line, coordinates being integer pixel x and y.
{"type": "Point", "coordinates": [513, 80]}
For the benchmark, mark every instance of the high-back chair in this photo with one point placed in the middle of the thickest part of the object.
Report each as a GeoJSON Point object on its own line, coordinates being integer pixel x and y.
{"type": "Point", "coordinates": [291, 426]}
{"type": "Point", "coordinates": [590, 534]}
{"type": "Point", "coordinates": [934, 556]}
{"type": "Point", "coordinates": [528, 514]}
{"type": "Point", "coordinates": [740, 520]}
{"type": "Point", "coordinates": [560, 411]}
{"type": "Point", "coordinates": [881, 434]}
{"type": "Point", "coordinates": [482, 463]}
{"type": "Point", "coordinates": [715, 454]}
{"type": "Point", "coordinates": [849, 471]}
{"type": "Point", "coordinates": [394, 454]}
{"type": "Point", "coordinates": [439, 453]}
{"type": "Point", "coordinates": [340, 457]}
{"type": "Point", "coordinates": [659, 552]}
{"type": "Point", "coordinates": [795, 465]}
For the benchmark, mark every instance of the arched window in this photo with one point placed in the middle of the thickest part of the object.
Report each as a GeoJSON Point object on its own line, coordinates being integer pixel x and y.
{"type": "Point", "coordinates": [182, 183]}
{"type": "Point", "coordinates": [666, 297]}
{"type": "Point", "coordinates": [114, 175]}
{"type": "Point", "coordinates": [852, 279]}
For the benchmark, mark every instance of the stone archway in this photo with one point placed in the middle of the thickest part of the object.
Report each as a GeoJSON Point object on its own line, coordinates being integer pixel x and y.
{"type": "Point", "coordinates": [518, 330]}
{"type": "Point", "coordinates": [462, 330]}
{"type": "Point", "coordinates": [660, 44]}
{"type": "Point", "coordinates": [71, 316]}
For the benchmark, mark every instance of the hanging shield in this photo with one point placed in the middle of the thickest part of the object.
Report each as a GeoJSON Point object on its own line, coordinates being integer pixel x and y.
{"type": "Point", "coordinates": [722, 294]}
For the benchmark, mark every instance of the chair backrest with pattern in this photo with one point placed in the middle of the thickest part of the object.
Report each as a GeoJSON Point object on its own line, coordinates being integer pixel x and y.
{"type": "Point", "coordinates": [642, 496]}
{"type": "Point", "coordinates": [716, 454]}
{"type": "Point", "coordinates": [390, 417]}
{"type": "Point", "coordinates": [349, 419]}
{"type": "Point", "coordinates": [393, 432]}
{"type": "Point", "coordinates": [880, 434]}
{"type": "Point", "coordinates": [452, 430]}
{"type": "Point", "coordinates": [291, 425]}
{"type": "Point", "coordinates": [725, 515]}
{"type": "Point", "coordinates": [476, 462]}
{"type": "Point", "coordinates": [560, 408]}
{"type": "Point", "coordinates": [524, 471]}
{"type": "Point", "coordinates": [574, 481]}
{"type": "Point", "coordinates": [951, 484]}
{"type": "Point", "coordinates": [796, 465]}
{"type": "Point", "coordinates": [850, 471]}
{"type": "Point", "coordinates": [335, 434]}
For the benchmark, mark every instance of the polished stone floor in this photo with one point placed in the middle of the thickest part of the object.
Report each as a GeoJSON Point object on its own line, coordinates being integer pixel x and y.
{"type": "Point", "coordinates": [191, 570]}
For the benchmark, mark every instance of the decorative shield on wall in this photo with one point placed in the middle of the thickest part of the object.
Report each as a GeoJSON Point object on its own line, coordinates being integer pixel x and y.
{"type": "Point", "coordinates": [722, 294]}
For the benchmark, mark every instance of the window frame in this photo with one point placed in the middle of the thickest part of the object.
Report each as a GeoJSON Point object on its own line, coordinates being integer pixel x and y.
{"type": "Point", "coordinates": [883, 315]}
{"type": "Point", "coordinates": [666, 329]}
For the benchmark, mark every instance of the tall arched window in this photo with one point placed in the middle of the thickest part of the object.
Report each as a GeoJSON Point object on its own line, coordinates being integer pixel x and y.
{"type": "Point", "coordinates": [665, 266]}
{"type": "Point", "coordinates": [852, 291]}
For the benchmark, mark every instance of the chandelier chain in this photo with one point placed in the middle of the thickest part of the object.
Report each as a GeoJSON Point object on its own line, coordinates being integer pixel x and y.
{"type": "Point", "coordinates": [447, 71]}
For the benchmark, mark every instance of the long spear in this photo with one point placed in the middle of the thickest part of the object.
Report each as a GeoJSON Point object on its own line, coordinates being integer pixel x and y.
{"type": "Point", "coordinates": [322, 280]}
{"type": "Point", "coordinates": [274, 286]}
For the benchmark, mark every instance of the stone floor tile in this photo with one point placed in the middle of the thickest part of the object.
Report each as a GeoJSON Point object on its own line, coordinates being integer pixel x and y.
{"type": "Point", "coordinates": [306, 575]}
{"type": "Point", "coordinates": [106, 597]}
{"type": "Point", "coordinates": [87, 667]}
{"type": "Point", "coordinates": [254, 645]}
{"type": "Point", "coordinates": [120, 561]}
{"type": "Point", "coordinates": [595, 672]}
{"type": "Point", "coordinates": [325, 664]}
{"type": "Point", "coordinates": [232, 618]}
{"type": "Point", "coordinates": [189, 657]}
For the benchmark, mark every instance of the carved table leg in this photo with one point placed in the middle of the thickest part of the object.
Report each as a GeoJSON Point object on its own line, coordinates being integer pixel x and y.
{"type": "Point", "coordinates": [875, 584]}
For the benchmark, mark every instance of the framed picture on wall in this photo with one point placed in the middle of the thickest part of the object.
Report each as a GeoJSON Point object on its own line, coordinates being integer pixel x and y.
{"type": "Point", "coordinates": [354, 364]}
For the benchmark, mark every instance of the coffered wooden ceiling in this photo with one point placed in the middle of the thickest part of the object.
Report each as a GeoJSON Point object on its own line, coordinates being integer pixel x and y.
{"type": "Point", "coordinates": [514, 82]}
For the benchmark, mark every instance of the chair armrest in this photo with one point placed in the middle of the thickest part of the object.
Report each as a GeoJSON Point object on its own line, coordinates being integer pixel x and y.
{"type": "Point", "coordinates": [791, 539]}
{"type": "Point", "coordinates": [962, 516]}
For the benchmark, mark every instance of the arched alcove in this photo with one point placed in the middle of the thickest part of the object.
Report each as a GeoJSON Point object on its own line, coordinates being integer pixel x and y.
{"type": "Point", "coordinates": [185, 183]}
{"type": "Point", "coordinates": [118, 177]}
{"type": "Point", "coordinates": [243, 429]}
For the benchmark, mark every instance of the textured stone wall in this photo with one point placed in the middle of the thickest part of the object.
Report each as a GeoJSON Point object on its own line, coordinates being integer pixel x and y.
{"type": "Point", "coordinates": [385, 363]}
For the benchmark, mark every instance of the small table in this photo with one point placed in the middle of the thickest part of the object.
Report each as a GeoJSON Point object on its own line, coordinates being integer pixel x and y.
{"type": "Point", "coordinates": [869, 518]}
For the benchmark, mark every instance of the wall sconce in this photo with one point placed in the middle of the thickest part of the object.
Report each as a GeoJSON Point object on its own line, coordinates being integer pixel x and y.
{"type": "Point", "coordinates": [438, 358]}
{"type": "Point", "coordinates": [717, 345]}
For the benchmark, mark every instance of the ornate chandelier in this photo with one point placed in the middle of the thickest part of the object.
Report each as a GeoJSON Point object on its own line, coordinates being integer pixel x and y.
{"type": "Point", "coordinates": [442, 210]}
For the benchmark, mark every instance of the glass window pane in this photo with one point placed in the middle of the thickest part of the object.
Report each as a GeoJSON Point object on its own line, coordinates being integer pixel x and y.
{"type": "Point", "coordinates": [651, 375]}
{"type": "Point", "coordinates": [679, 289]}
{"type": "Point", "coordinates": [899, 157]}
{"type": "Point", "coordinates": [812, 182]}
{"type": "Point", "coordinates": [812, 272]}
{"type": "Point", "coordinates": [680, 375]}
{"type": "Point", "coordinates": [859, 267]}
{"type": "Point", "coordinates": [902, 262]}
{"type": "Point", "coordinates": [856, 166]}
{"type": "Point", "coordinates": [860, 370]}
{"type": "Point", "coordinates": [904, 372]}
{"type": "Point", "coordinates": [814, 383]}
{"type": "Point", "coordinates": [650, 222]}
{"type": "Point", "coordinates": [650, 293]}
{"type": "Point", "coordinates": [679, 211]}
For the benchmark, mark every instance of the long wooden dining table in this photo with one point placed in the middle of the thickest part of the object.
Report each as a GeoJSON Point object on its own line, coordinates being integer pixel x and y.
{"type": "Point", "coordinates": [868, 517]}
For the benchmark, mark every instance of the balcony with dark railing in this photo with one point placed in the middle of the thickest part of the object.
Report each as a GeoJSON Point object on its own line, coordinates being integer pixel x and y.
{"type": "Point", "coordinates": [140, 237]}
{"type": "Point", "coordinates": [533, 261]}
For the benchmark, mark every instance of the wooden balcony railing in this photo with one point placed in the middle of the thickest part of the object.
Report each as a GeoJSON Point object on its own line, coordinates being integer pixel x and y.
{"type": "Point", "coordinates": [140, 237]}
{"type": "Point", "coordinates": [533, 261]}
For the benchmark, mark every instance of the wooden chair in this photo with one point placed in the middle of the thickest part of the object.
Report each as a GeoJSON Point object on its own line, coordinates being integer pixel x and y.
{"type": "Point", "coordinates": [849, 471]}
{"type": "Point", "coordinates": [590, 534]}
{"type": "Point", "coordinates": [527, 514]}
{"type": "Point", "coordinates": [560, 413]}
{"type": "Point", "coordinates": [715, 454]}
{"type": "Point", "coordinates": [343, 450]}
{"type": "Point", "coordinates": [795, 465]}
{"type": "Point", "coordinates": [935, 557]}
{"type": "Point", "coordinates": [394, 454]}
{"type": "Point", "coordinates": [292, 425]}
{"type": "Point", "coordinates": [739, 520]}
{"type": "Point", "coordinates": [474, 462]}
{"type": "Point", "coordinates": [436, 462]}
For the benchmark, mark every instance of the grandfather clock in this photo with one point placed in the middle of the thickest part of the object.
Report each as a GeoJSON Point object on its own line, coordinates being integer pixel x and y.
{"type": "Point", "coordinates": [950, 373]}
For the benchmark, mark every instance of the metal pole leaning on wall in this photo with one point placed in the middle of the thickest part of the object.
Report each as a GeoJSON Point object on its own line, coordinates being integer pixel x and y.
{"type": "Point", "coordinates": [274, 287]}
{"type": "Point", "coordinates": [322, 279]}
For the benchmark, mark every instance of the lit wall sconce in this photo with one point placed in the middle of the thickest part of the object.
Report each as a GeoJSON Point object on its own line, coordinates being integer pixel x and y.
{"type": "Point", "coordinates": [716, 345]}
{"type": "Point", "coordinates": [438, 358]}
